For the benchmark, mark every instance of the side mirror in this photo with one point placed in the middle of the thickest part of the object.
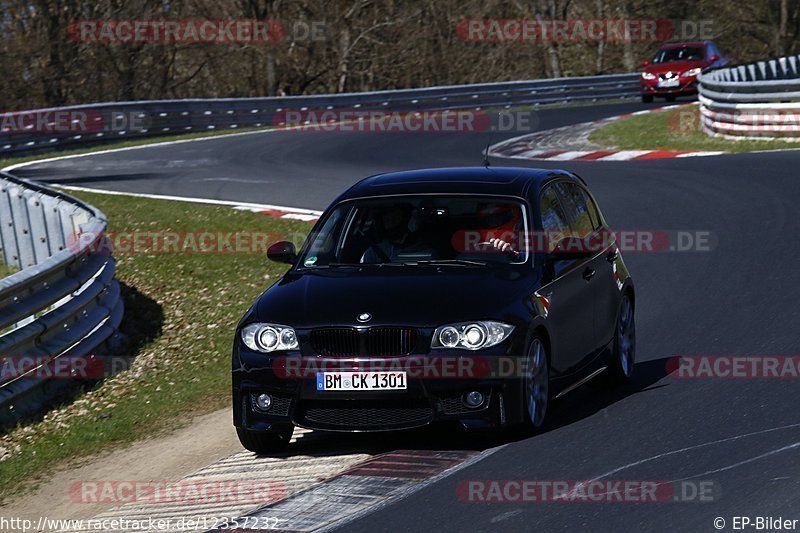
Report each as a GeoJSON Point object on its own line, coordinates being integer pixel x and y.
{"type": "Point", "coordinates": [569, 249]}
{"type": "Point", "coordinates": [282, 252]}
{"type": "Point", "coordinates": [714, 58]}
{"type": "Point", "coordinates": [645, 63]}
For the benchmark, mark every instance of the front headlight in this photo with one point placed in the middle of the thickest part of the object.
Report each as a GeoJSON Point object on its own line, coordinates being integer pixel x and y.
{"type": "Point", "coordinates": [648, 76]}
{"type": "Point", "coordinates": [691, 72]}
{"type": "Point", "coordinates": [269, 337]}
{"type": "Point", "coordinates": [471, 335]}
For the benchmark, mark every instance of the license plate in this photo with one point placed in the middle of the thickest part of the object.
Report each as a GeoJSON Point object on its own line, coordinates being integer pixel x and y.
{"type": "Point", "coordinates": [668, 83]}
{"type": "Point", "coordinates": [355, 381]}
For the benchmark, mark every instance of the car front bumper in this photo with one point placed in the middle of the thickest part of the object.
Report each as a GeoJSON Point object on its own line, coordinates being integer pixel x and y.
{"type": "Point", "coordinates": [432, 395]}
{"type": "Point", "coordinates": [650, 87]}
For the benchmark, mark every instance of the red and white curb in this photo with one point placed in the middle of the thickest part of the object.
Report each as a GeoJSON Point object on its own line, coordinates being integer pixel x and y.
{"type": "Point", "coordinates": [597, 155]}
{"type": "Point", "coordinates": [533, 146]}
{"type": "Point", "coordinates": [294, 213]}
{"type": "Point", "coordinates": [362, 489]}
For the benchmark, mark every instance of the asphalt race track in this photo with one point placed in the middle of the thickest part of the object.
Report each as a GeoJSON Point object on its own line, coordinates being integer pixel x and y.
{"type": "Point", "coordinates": [739, 299]}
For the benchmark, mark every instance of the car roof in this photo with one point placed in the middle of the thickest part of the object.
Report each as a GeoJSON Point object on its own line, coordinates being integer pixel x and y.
{"type": "Point", "coordinates": [686, 43]}
{"type": "Point", "coordinates": [506, 181]}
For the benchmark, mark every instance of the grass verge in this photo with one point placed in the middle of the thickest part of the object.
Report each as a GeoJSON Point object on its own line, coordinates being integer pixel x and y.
{"type": "Point", "coordinates": [183, 307]}
{"type": "Point", "coordinates": [674, 129]}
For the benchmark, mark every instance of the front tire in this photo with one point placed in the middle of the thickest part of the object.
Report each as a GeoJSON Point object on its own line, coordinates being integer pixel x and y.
{"type": "Point", "coordinates": [536, 386]}
{"type": "Point", "coordinates": [265, 442]}
{"type": "Point", "coordinates": [670, 98]}
{"type": "Point", "coordinates": [647, 98]}
{"type": "Point", "coordinates": [623, 356]}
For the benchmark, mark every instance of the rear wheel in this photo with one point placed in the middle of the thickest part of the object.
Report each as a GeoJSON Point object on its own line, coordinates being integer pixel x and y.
{"type": "Point", "coordinates": [623, 356]}
{"type": "Point", "coordinates": [537, 384]}
{"type": "Point", "coordinates": [265, 442]}
{"type": "Point", "coordinates": [647, 98]}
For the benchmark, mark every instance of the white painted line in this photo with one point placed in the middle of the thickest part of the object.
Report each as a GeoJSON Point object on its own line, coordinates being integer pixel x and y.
{"type": "Point", "coordinates": [209, 201]}
{"type": "Point", "coordinates": [529, 154]}
{"type": "Point", "coordinates": [568, 156]}
{"type": "Point", "coordinates": [624, 155]}
{"type": "Point", "coordinates": [298, 216]}
{"type": "Point", "coordinates": [700, 154]}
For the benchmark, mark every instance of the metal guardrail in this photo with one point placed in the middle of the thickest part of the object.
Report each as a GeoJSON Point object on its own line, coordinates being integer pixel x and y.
{"type": "Point", "coordinates": [95, 123]}
{"type": "Point", "coordinates": [63, 302]}
{"type": "Point", "coordinates": [754, 101]}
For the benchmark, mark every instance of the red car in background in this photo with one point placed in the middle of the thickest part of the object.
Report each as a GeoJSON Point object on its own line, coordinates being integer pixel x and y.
{"type": "Point", "coordinates": [673, 70]}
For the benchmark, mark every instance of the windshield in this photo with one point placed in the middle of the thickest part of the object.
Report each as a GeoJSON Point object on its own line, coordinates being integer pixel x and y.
{"type": "Point", "coordinates": [679, 53]}
{"type": "Point", "coordinates": [418, 230]}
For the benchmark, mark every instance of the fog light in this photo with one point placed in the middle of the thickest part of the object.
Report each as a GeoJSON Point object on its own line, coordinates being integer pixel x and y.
{"type": "Point", "coordinates": [473, 399]}
{"type": "Point", "coordinates": [264, 402]}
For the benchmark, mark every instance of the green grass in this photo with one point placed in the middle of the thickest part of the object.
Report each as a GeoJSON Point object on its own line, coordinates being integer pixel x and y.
{"type": "Point", "coordinates": [675, 129]}
{"type": "Point", "coordinates": [6, 270]}
{"type": "Point", "coordinates": [182, 364]}
{"type": "Point", "coordinates": [125, 144]}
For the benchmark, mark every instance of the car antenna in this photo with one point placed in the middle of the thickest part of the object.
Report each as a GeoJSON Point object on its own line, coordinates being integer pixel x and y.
{"type": "Point", "coordinates": [485, 161]}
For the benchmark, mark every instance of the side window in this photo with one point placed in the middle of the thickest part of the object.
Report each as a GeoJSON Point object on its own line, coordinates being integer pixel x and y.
{"type": "Point", "coordinates": [323, 247]}
{"type": "Point", "coordinates": [583, 199]}
{"type": "Point", "coordinates": [554, 221]}
{"type": "Point", "coordinates": [582, 221]}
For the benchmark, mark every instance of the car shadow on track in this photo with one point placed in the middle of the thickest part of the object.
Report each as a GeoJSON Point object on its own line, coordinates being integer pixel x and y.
{"type": "Point", "coordinates": [598, 395]}
{"type": "Point", "coordinates": [579, 404]}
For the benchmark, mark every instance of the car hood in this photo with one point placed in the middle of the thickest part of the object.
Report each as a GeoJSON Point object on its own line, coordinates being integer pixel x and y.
{"type": "Point", "coordinates": [673, 66]}
{"type": "Point", "coordinates": [422, 296]}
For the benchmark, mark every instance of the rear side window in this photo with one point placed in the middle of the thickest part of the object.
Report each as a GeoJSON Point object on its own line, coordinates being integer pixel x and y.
{"type": "Point", "coordinates": [576, 202]}
{"type": "Point", "coordinates": [554, 219]}
{"type": "Point", "coordinates": [585, 203]}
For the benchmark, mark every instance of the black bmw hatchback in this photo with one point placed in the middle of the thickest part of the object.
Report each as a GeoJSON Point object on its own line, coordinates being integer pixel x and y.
{"type": "Point", "coordinates": [469, 295]}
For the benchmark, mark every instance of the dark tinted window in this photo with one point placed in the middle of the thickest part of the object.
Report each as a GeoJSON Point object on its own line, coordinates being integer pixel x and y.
{"type": "Point", "coordinates": [576, 207]}
{"type": "Point", "coordinates": [585, 204]}
{"type": "Point", "coordinates": [554, 220]}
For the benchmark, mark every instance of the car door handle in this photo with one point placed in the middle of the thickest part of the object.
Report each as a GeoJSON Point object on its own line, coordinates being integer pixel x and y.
{"type": "Point", "coordinates": [588, 274]}
{"type": "Point", "coordinates": [612, 256]}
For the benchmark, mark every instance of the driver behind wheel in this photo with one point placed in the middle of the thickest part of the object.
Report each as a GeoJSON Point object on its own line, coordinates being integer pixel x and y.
{"type": "Point", "coordinates": [397, 227]}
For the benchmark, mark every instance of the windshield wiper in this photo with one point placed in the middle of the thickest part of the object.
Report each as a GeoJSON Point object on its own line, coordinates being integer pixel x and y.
{"type": "Point", "coordinates": [446, 262]}
{"type": "Point", "coordinates": [333, 265]}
